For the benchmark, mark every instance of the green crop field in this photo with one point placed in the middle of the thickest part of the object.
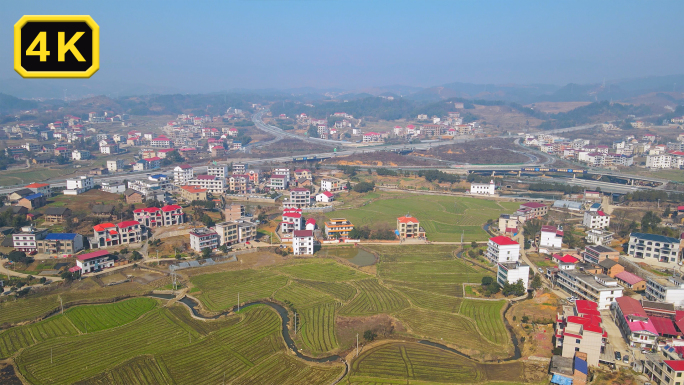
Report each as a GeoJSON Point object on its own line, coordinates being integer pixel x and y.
{"type": "Point", "coordinates": [100, 317]}
{"type": "Point", "coordinates": [317, 328]}
{"type": "Point", "coordinates": [340, 290]}
{"type": "Point", "coordinates": [141, 370]}
{"type": "Point", "coordinates": [322, 271]}
{"type": "Point", "coordinates": [220, 290]}
{"type": "Point", "coordinates": [284, 369]}
{"type": "Point", "coordinates": [487, 316]}
{"type": "Point", "coordinates": [430, 301]}
{"type": "Point", "coordinates": [443, 218]}
{"type": "Point", "coordinates": [300, 296]}
{"type": "Point", "coordinates": [409, 363]}
{"type": "Point", "coordinates": [373, 298]}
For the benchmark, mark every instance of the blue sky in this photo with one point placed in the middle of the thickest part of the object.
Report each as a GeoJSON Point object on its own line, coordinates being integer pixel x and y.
{"type": "Point", "coordinates": [217, 45]}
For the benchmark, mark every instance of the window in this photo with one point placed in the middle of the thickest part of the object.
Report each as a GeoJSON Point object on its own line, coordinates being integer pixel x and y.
{"type": "Point", "coordinates": [577, 340]}
{"type": "Point", "coordinates": [577, 349]}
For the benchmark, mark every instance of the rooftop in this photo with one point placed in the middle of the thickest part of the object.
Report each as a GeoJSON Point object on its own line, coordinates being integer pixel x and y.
{"type": "Point", "coordinates": [503, 241]}
{"type": "Point", "coordinates": [628, 277]}
{"type": "Point", "coordinates": [60, 236]}
{"type": "Point", "coordinates": [303, 233]}
{"type": "Point", "coordinates": [94, 254]}
{"type": "Point", "coordinates": [654, 237]}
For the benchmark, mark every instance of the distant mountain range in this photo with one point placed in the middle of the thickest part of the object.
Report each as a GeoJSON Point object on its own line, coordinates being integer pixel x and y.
{"type": "Point", "coordinates": [661, 90]}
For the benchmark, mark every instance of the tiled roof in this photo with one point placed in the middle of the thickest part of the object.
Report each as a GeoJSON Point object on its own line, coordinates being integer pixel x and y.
{"type": "Point", "coordinates": [654, 237]}
{"type": "Point", "coordinates": [628, 277]}
{"type": "Point", "coordinates": [303, 233]}
{"type": "Point", "coordinates": [94, 254]}
{"type": "Point", "coordinates": [503, 241]}
{"type": "Point", "coordinates": [664, 326]}
{"type": "Point", "coordinates": [407, 219]}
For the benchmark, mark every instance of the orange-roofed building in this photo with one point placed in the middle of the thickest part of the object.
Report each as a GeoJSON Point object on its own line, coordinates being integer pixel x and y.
{"type": "Point", "coordinates": [42, 188]}
{"type": "Point", "coordinates": [409, 227]}
{"type": "Point", "coordinates": [193, 193]}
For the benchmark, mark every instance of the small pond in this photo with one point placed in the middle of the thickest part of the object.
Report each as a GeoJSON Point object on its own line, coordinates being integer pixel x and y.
{"type": "Point", "coordinates": [355, 255]}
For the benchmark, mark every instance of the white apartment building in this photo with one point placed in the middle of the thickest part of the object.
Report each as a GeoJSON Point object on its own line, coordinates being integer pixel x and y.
{"type": "Point", "coordinates": [282, 171]}
{"type": "Point", "coordinates": [579, 329]}
{"type": "Point", "coordinates": [662, 371]}
{"type": "Point", "coordinates": [502, 249]}
{"type": "Point", "coordinates": [299, 197]}
{"type": "Point", "coordinates": [219, 170]}
{"type": "Point", "coordinates": [654, 247]}
{"type": "Point", "coordinates": [596, 220]}
{"type": "Point", "coordinates": [26, 240]}
{"type": "Point", "coordinates": [79, 185]}
{"type": "Point", "coordinates": [115, 165]}
{"type": "Point", "coordinates": [201, 238]}
{"type": "Point", "coordinates": [240, 168]}
{"type": "Point", "coordinates": [670, 290]}
{"type": "Point", "coordinates": [113, 187]}
{"type": "Point", "coordinates": [182, 174]}
{"type": "Point", "coordinates": [332, 184]}
{"type": "Point", "coordinates": [303, 242]}
{"type": "Point", "coordinates": [512, 272]}
{"type": "Point", "coordinates": [599, 237]}
{"type": "Point", "coordinates": [213, 184]}
{"type": "Point", "coordinates": [292, 220]}
{"type": "Point", "coordinates": [80, 154]}
{"type": "Point", "coordinates": [483, 188]}
{"type": "Point", "coordinates": [236, 231]}
{"type": "Point", "coordinates": [551, 236]}
{"type": "Point", "coordinates": [659, 161]}
{"type": "Point", "coordinates": [278, 182]}
{"type": "Point", "coordinates": [599, 288]}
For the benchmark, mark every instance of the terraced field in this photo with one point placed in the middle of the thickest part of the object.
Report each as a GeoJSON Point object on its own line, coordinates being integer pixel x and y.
{"type": "Point", "coordinates": [317, 330]}
{"type": "Point", "coordinates": [100, 317]}
{"type": "Point", "coordinates": [284, 369]}
{"type": "Point", "coordinates": [430, 301]}
{"type": "Point", "coordinates": [141, 370]}
{"type": "Point", "coordinates": [488, 317]}
{"type": "Point", "coordinates": [340, 290]}
{"type": "Point", "coordinates": [324, 271]}
{"type": "Point", "coordinates": [220, 290]}
{"type": "Point", "coordinates": [23, 336]}
{"type": "Point", "coordinates": [409, 363]}
{"type": "Point", "coordinates": [301, 296]}
{"type": "Point", "coordinates": [373, 298]}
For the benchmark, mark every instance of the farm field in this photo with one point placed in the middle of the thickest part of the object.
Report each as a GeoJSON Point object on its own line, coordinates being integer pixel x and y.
{"type": "Point", "coordinates": [443, 218]}
{"type": "Point", "coordinates": [406, 362]}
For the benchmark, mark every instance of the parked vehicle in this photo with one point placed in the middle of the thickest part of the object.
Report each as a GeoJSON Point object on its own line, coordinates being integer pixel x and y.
{"type": "Point", "coordinates": [625, 359]}
{"type": "Point", "coordinates": [618, 356]}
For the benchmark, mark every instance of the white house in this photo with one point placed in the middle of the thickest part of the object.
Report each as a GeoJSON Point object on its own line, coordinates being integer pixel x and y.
{"type": "Point", "coordinates": [670, 290]}
{"type": "Point", "coordinates": [292, 220]}
{"type": "Point", "coordinates": [325, 196]}
{"type": "Point", "coordinates": [483, 188]}
{"type": "Point", "coordinates": [596, 220]}
{"type": "Point", "coordinates": [512, 272]}
{"type": "Point", "coordinates": [213, 184]}
{"type": "Point", "coordinates": [310, 224]}
{"type": "Point", "coordinates": [182, 174]}
{"type": "Point", "coordinates": [652, 247]}
{"type": "Point", "coordinates": [79, 185]}
{"type": "Point", "coordinates": [502, 249]}
{"type": "Point", "coordinates": [202, 238]}
{"type": "Point", "coordinates": [95, 261]}
{"type": "Point", "coordinates": [80, 154]}
{"type": "Point", "coordinates": [303, 242]}
{"type": "Point", "coordinates": [115, 165]}
{"type": "Point", "coordinates": [551, 236]}
{"type": "Point", "coordinates": [219, 170]}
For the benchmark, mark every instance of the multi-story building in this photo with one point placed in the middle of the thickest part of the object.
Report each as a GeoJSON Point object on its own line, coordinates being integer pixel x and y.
{"type": "Point", "coordinates": [598, 288]}
{"type": "Point", "coordinates": [239, 183]}
{"type": "Point", "coordinates": [282, 171]}
{"type": "Point", "coordinates": [60, 243]}
{"type": "Point", "coordinates": [634, 323]}
{"type": "Point", "coordinates": [182, 174]}
{"type": "Point", "coordinates": [303, 242]}
{"type": "Point", "coordinates": [338, 228]}
{"type": "Point", "coordinates": [211, 183]}
{"type": "Point", "coordinates": [662, 371]}
{"type": "Point", "coordinates": [599, 237]}
{"type": "Point", "coordinates": [240, 168]}
{"type": "Point", "coordinates": [631, 281]}
{"type": "Point", "coordinates": [278, 182]}
{"type": "Point", "coordinates": [27, 239]}
{"type": "Point", "coordinates": [596, 220]}
{"type": "Point", "coordinates": [669, 290]}
{"type": "Point", "coordinates": [236, 231]}
{"type": "Point", "coordinates": [597, 253]}
{"type": "Point", "coordinates": [95, 261]}
{"type": "Point", "coordinates": [502, 249]}
{"type": "Point", "coordinates": [218, 170]}
{"type": "Point", "coordinates": [162, 142]}
{"type": "Point", "coordinates": [79, 185]}
{"type": "Point", "coordinates": [509, 221]}
{"type": "Point", "coordinates": [129, 232]}
{"type": "Point", "coordinates": [299, 197]}
{"type": "Point", "coordinates": [303, 173]}
{"type": "Point", "coordinates": [512, 272]}
{"type": "Point", "coordinates": [109, 234]}
{"type": "Point", "coordinates": [233, 212]}
{"type": "Point", "coordinates": [483, 188]}
{"type": "Point", "coordinates": [193, 193]}
{"type": "Point", "coordinates": [40, 188]}
{"type": "Point", "coordinates": [332, 184]}
{"type": "Point", "coordinates": [155, 186]}
{"type": "Point", "coordinates": [168, 215]}
{"type": "Point", "coordinates": [654, 247]}
{"type": "Point", "coordinates": [409, 227]}
{"type": "Point", "coordinates": [532, 210]}
{"type": "Point", "coordinates": [115, 165]}
{"type": "Point", "coordinates": [292, 220]}
{"type": "Point", "coordinates": [551, 236]}
{"type": "Point", "coordinates": [579, 329]}
{"type": "Point", "coordinates": [80, 154]}
{"type": "Point", "coordinates": [202, 238]}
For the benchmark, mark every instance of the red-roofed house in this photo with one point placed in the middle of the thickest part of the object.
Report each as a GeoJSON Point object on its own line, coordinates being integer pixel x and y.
{"type": "Point", "coordinates": [302, 242]}
{"type": "Point", "coordinates": [325, 196]}
{"type": "Point", "coordinates": [409, 227]}
{"type": "Point", "coordinates": [634, 323]}
{"type": "Point", "coordinates": [40, 188]}
{"type": "Point", "coordinates": [663, 371]}
{"type": "Point", "coordinates": [551, 236]}
{"type": "Point", "coordinates": [532, 210]}
{"type": "Point", "coordinates": [161, 141]}
{"type": "Point", "coordinates": [105, 235]}
{"type": "Point", "coordinates": [129, 231]}
{"type": "Point", "coordinates": [631, 281]}
{"type": "Point", "coordinates": [579, 329]}
{"type": "Point", "coordinates": [567, 258]}
{"type": "Point", "coordinates": [168, 215]}
{"type": "Point", "coordinates": [291, 221]}
{"type": "Point", "coordinates": [502, 249]}
{"type": "Point", "coordinates": [665, 327]}
{"type": "Point", "coordinates": [95, 261]}
{"type": "Point", "coordinates": [310, 224]}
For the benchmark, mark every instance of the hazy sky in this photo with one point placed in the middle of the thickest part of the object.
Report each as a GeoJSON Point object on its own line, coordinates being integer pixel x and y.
{"type": "Point", "coordinates": [210, 46]}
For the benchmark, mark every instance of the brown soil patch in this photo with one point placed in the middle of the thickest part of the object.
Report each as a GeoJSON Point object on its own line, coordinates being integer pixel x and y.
{"type": "Point", "coordinates": [245, 261]}
{"type": "Point", "coordinates": [7, 375]}
{"type": "Point", "coordinates": [556, 107]}
{"type": "Point", "coordinates": [538, 337]}
{"type": "Point", "coordinates": [382, 324]}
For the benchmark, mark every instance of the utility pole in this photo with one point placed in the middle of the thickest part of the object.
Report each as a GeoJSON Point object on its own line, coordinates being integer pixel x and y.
{"type": "Point", "coordinates": [238, 301]}
{"type": "Point", "coordinates": [357, 344]}
{"type": "Point", "coordinates": [295, 323]}
{"type": "Point", "coordinates": [50, 355]}
{"type": "Point", "coordinates": [61, 305]}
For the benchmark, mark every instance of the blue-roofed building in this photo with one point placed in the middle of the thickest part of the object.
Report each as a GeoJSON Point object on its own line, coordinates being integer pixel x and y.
{"type": "Point", "coordinates": [654, 248]}
{"type": "Point", "coordinates": [60, 244]}
{"type": "Point", "coordinates": [581, 366]}
{"type": "Point", "coordinates": [33, 201]}
{"type": "Point", "coordinates": [595, 207]}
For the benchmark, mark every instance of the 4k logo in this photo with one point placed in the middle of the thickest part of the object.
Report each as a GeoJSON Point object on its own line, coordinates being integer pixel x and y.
{"type": "Point", "coordinates": [56, 47]}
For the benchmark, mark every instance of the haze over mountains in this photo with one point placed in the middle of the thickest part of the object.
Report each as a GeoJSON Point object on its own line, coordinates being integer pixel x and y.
{"type": "Point", "coordinates": [665, 88]}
